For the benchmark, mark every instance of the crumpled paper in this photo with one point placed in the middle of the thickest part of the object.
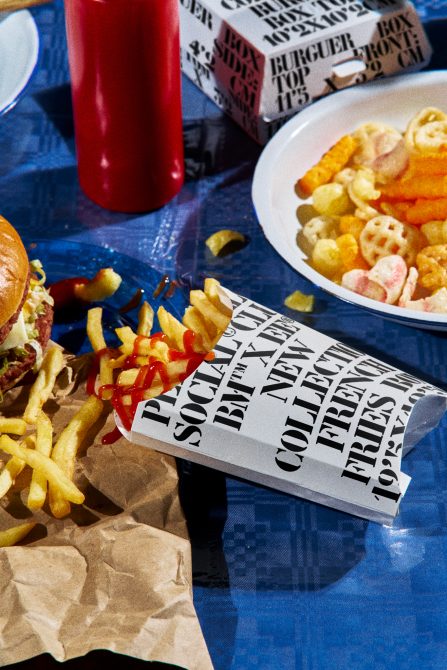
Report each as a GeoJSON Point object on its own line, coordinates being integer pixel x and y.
{"type": "Point", "coordinates": [115, 574]}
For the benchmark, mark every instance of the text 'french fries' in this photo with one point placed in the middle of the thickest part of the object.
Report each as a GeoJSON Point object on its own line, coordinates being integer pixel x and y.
{"type": "Point", "coordinates": [144, 365]}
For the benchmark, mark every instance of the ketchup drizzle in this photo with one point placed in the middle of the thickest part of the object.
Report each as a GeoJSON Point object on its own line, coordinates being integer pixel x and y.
{"type": "Point", "coordinates": [145, 377]}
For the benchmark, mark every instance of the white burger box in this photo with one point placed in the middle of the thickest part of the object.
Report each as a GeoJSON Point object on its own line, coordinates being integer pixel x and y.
{"type": "Point", "coordinates": [263, 60]}
{"type": "Point", "coordinates": [290, 408]}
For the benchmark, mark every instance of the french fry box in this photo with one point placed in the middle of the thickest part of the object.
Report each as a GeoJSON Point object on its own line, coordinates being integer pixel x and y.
{"type": "Point", "coordinates": [263, 60]}
{"type": "Point", "coordinates": [288, 407]}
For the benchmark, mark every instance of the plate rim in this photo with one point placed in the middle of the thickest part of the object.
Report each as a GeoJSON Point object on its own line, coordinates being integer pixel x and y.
{"type": "Point", "coordinates": [30, 26]}
{"type": "Point", "coordinates": [261, 195]}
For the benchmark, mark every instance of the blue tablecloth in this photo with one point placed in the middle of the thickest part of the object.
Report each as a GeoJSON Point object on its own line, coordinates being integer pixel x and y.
{"type": "Point", "coordinates": [279, 583]}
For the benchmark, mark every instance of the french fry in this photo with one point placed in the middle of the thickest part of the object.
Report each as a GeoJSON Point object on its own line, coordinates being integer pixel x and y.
{"type": "Point", "coordinates": [193, 320]}
{"type": "Point", "coordinates": [52, 364]}
{"type": "Point", "coordinates": [105, 283]}
{"type": "Point", "coordinates": [66, 447]}
{"type": "Point", "coordinates": [51, 470]}
{"type": "Point", "coordinates": [146, 346]}
{"type": "Point", "coordinates": [330, 163]}
{"type": "Point", "coordinates": [13, 426]}
{"type": "Point", "coordinates": [12, 536]}
{"type": "Point", "coordinates": [95, 331]}
{"type": "Point", "coordinates": [212, 291]}
{"type": "Point", "coordinates": [172, 328]}
{"type": "Point", "coordinates": [9, 474]}
{"type": "Point", "coordinates": [44, 444]}
{"type": "Point", "coordinates": [198, 299]}
{"type": "Point", "coordinates": [145, 319]}
{"type": "Point", "coordinates": [13, 468]}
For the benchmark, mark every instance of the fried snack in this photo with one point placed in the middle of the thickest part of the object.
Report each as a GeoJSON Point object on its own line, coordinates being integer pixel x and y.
{"type": "Point", "coordinates": [145, 319]}
{"type": "Point", "coordinates": [217, 242]}
{"type": "Point", "coordinates": [435, 232]}
{"type": "Point", "coordinates": [12, 425]}
{"type": "Point", "coordinates": [332, 162]}
{"type": "Point", "coordinates": [12, 536]}
{"type": "Point", "coordinates": [94, 329]}
{"type": "Point", "coordinates": [300, 302]}
{"type": "Point", "coordinates": [409, 287]}
{"type": "Point", "coordinates": [427, 131]}
{"type": "Point", "coordinates": [331, 199]}
{"type": "Point", "coordinates": [65, 450]}
{"type": "Point", "coordinates": [385, 236]}
{"type": "Point", "coordinates": [362, 191]}
{"type": "Point", "coordinates": [103, 285]}
{"type": "Point", "coordinates": [41, 390]}
{"type": "Point", "coordinates": [326, 258]}
{"type": "Point", "coordinates": [320, 228]}
{"type": "Point", "coordinates": [412, 188]}
{"type": "Point", "coordinates": [56, 477]}
{"type": "Point", "coordinates": [145, 365]}
{"type": "Point", "coordinates": [432, 267]}
{"type": "Point", "coordinates": [427, 164]}
{"type": "Point", "coordinates": [425, 210]}
{"type": "Point", "coordinates": [351, 224]}
{"type": "Point", "coordinates": [12, 469]}
{"type": "Point", "coordinates": [44, 443]}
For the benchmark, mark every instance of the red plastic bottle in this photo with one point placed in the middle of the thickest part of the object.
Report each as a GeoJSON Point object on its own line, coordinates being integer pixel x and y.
{"type": "Point", "coordinates": [124, 58]}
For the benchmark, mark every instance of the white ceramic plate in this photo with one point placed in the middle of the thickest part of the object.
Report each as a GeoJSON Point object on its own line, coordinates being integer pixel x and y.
{"type": "Point", "coordinates": [19, 51]}
{"type": "Point", "coordinates": [302, 141]}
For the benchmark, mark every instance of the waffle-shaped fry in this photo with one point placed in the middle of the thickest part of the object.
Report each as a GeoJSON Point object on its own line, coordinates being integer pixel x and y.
{"type": "Point", "coordinates": [432, 267]}
{"type": "Point", "coordinates": [320, 228]}
{"type": "Point", "coordinates": [384, 236]}
{"type": "Point", "coordinates": [427, 131]}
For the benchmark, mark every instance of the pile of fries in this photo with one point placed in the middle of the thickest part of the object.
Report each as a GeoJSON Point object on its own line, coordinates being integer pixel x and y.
{"type": "Point", "coordinates": [146, 364]}
{"type": "Point", "coordinates": [142, 366]}
{"type": "Point", "coordinates": [380, 205]}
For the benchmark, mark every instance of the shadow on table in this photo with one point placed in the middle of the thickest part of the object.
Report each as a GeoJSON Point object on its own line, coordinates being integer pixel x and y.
{"type": "Point", "coordinates": [204, 500]}
{"type": "Point", "coordinates": [92, 661]}
{"type": "Point", "coordinates": [212, 145]}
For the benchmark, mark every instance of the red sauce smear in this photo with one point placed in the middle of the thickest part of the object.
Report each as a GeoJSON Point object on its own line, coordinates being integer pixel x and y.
{"type": "Point", "coordinates": [145, 377]}
{"type": "Point", "coordinates": [63, 291]}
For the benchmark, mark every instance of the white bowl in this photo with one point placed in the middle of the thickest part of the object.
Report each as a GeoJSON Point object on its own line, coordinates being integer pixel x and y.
{"type": "Point", "coordinates": [19, 52]}
{"type": "Point", "coordinates": [301, 142]}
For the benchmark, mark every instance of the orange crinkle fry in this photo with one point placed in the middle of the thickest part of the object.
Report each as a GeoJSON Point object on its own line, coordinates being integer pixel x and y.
{"type": "Point", "coordinates": [424, 210]}
{"type": "Point", "coordinates": [427, 164]}
{"type": "Point", "coordinates": [329, 164]}
{"type": "Point", "coordinates": [421, 186]}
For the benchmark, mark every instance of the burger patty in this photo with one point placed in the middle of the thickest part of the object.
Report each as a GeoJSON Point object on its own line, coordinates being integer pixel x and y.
{"type": "Point", "coordinates": [21, 365]}
{"type": "Point", "coordinates": [7, 327]}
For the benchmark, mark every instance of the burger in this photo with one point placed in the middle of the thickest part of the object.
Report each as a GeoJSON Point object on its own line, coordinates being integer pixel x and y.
{"type": "Point", "coordinates": [26, 309]}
